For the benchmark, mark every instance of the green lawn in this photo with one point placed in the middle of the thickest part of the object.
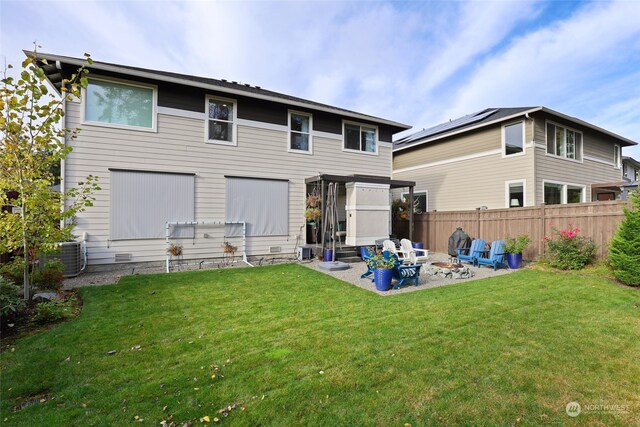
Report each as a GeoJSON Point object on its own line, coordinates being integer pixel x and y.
{"type": "Point", "coordinates": [296, 347]}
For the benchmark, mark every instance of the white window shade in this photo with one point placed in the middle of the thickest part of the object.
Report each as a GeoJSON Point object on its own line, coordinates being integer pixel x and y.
{"type": "Point", "coordinates": [262, 203]}
{"type": "Point", "coordinates": [143, 202]}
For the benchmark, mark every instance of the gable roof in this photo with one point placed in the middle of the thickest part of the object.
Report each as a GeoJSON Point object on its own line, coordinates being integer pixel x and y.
{"type": "Point", "coordinates": [633, 162]}
{"type": "Point", "coordinates": [486, 117]}
{"type": "Point", "coordinates": [53, 72]}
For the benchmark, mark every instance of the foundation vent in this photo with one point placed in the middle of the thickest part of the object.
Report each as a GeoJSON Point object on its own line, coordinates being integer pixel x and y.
{"type": "Point", "coordinates": [123, 257]}
{"type": "Point", "coordinates": [274, 249]}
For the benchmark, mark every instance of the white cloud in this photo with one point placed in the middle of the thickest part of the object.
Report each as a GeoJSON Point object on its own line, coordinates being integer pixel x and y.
{"type": "Point", "coordinates": [559, 66]}
{"type": "Point", "coordinates": [416, 62]}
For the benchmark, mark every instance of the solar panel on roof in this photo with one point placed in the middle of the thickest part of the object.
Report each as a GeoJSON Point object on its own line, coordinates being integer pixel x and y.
{"type": "Point", "coordinates": [452, 124]}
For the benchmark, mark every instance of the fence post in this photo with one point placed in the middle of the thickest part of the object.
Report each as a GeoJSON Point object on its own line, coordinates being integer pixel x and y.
{"type": "Point", "coordinates": [477, 223]}
{"type": "Point", "coordinates": [543, 227]}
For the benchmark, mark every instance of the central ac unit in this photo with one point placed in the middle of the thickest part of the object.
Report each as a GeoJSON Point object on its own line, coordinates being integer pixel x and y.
{"type": "Point", "coordinates": [303, 253]}
{"type": "Point", "coordinates": [70, 256]}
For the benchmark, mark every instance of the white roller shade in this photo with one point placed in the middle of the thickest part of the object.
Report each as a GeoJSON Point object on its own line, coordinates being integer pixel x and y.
{"type": "Point", "coordinates": [143, 202]}
{"type": "Point", "coordinates": [262, 203]}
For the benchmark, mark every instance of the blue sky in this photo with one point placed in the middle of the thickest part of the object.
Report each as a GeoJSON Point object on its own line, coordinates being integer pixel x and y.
{"type": "Point", "coordinates": [419, 63]}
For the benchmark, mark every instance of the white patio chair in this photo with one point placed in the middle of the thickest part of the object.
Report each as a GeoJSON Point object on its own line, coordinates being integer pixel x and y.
{"type": "Point", "coordinates": [403, 257]}
{"type": "Point", "coordinates": [416, 256]}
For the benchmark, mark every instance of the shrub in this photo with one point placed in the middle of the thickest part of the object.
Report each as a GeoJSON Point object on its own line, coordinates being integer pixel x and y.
{"type": "Point", "coordinates": [624, 251]}
{"type": "Point", "coordinates": [50, 277]}
{"type": "Point", "coordinates": [13, 271]}
{"type": "Point", "coordinates": [569, 251]}
{"type": "Point", "coordinates": [10, 300]}
{"type": "Point", "coordinates": [54, 311]}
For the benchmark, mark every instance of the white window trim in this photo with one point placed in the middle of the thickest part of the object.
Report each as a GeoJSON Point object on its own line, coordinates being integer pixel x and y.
{"type": "Point", "coordinates": [563, 194]}
{"type": "Point", "coordinates": [566, 128]}
{"type": "Point", "coordinates": [289, 130]}
{"type": "Point", "coordinates": [617, 163]}
{"type": "Point", "coordinates": [426, 194]}
{"type": "Point", "coordinates": [234, 124]}
{"type": "Point", "coordinates": [154, 112]}
{"type": "Point", "coordinates": [507, 195]}
{"type": "Point", "coordinates": [344, 137]}
{"type": "Point", "coordinates": [504, 142]}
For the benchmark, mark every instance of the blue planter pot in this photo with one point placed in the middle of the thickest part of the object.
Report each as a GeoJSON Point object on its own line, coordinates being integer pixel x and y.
{"type": "Point", "coordinates": [382, 279]}
{"type": "Point", "coordinates": [328, 255]}
{"type": "Point", "coordinates": [514, 261]}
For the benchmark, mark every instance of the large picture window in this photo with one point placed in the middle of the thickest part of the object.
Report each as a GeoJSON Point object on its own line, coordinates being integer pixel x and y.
{"type": "Point", "coordinates": [513, 136]}
{"type": "Point", "coordinates": [360, 138]}
{"type": "Point", "coordinates": [221, 117]}
{"type": "Point", "coordinates": [564, 142]}
{"type": "Point", "coordinates": [143, 202]}
{"type": "Point", "coordinates": [120, 104]}
{"type": "Point", "coordinates": [262, 203]}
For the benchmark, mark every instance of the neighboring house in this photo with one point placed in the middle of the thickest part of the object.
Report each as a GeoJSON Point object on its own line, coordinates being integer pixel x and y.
{"type": "Point", "coordinates": [630, 169]}
{"type": "Point", "coordinates": [630, 175]}
{"type": "Point", "coordinates": [173, 147]}
{"type": "Point", "coordinates": [510, 157]}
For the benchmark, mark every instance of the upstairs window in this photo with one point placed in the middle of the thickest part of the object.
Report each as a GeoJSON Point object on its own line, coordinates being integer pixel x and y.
{"type": "Point", "coordinates": [221, 119]}
{"type": "Point", "coordinates": [513, 138]}
{"type": "Point", "coordinates": [299, 132]}
{"type": "Point", "coordinates": [360, 138]}
{"type": "Point", "coordinates": [564, 142]}
{"type": "Point", "coordinates": [120, 104]}
{"type": "Point", "coordinates": [617, 159]}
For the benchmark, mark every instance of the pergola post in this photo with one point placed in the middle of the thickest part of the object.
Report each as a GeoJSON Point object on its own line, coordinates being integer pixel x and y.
{"type": "Point", "coordinates": [322, 208]}
{"type": "Point", "coordinates": [411, 213]}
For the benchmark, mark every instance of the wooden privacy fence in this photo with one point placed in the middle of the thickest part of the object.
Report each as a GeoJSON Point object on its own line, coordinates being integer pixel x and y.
{"type": "Point", "coordinates": [598, 220]}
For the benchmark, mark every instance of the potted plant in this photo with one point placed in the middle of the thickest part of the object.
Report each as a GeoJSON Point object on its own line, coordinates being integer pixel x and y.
{"type": "Point", "coordinates": [514, 247]}
{"type": "Point", "coordinates": [312, 214]}
{"type": "Point", "coordinates": [382, 270]}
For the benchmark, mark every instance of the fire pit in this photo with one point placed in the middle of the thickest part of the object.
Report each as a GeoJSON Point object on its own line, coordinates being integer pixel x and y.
{"type": "Point", "coordinates": [448, 270]}
{"type": "Point", "coordinates": [446, 265]}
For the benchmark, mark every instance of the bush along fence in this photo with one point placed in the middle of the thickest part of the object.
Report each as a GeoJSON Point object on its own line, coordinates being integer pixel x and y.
{"type": "Point", "coordinates": [597, 220]}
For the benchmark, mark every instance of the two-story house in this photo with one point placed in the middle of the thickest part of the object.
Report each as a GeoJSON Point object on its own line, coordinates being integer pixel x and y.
{"type": "Point", "coordinates": [630, 169]}
{"type": "Point", "coordinates": [510, 157]}
{"type": "Point", "coordinates": [169, 147]}
{"type": "Point", "coordinates": [630, 175]}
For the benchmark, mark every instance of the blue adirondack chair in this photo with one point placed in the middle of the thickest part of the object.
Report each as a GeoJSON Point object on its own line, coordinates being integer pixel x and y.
{"type": "Point", "coordinates": [469, 254]}
{"type": "Point", "coordinates": [366, 254]}
{"type": "Point", "coordinates": [494, 257]}
{"type": "Point", "coordinates": [404, 273]}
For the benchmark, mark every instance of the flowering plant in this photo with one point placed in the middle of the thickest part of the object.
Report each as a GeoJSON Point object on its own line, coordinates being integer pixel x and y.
{"type": "Point", "coordinates": [567, 250]}
{"type": "Point", "coordinates": [379, 261]}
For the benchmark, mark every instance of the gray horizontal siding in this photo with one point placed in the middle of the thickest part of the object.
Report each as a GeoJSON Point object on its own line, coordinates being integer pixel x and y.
{"type": "Point", "coordinates": [179, 146]}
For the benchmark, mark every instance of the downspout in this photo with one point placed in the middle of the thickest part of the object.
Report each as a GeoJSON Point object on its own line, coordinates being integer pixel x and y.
{"type": "Point", "coordinates": [64, 125]}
